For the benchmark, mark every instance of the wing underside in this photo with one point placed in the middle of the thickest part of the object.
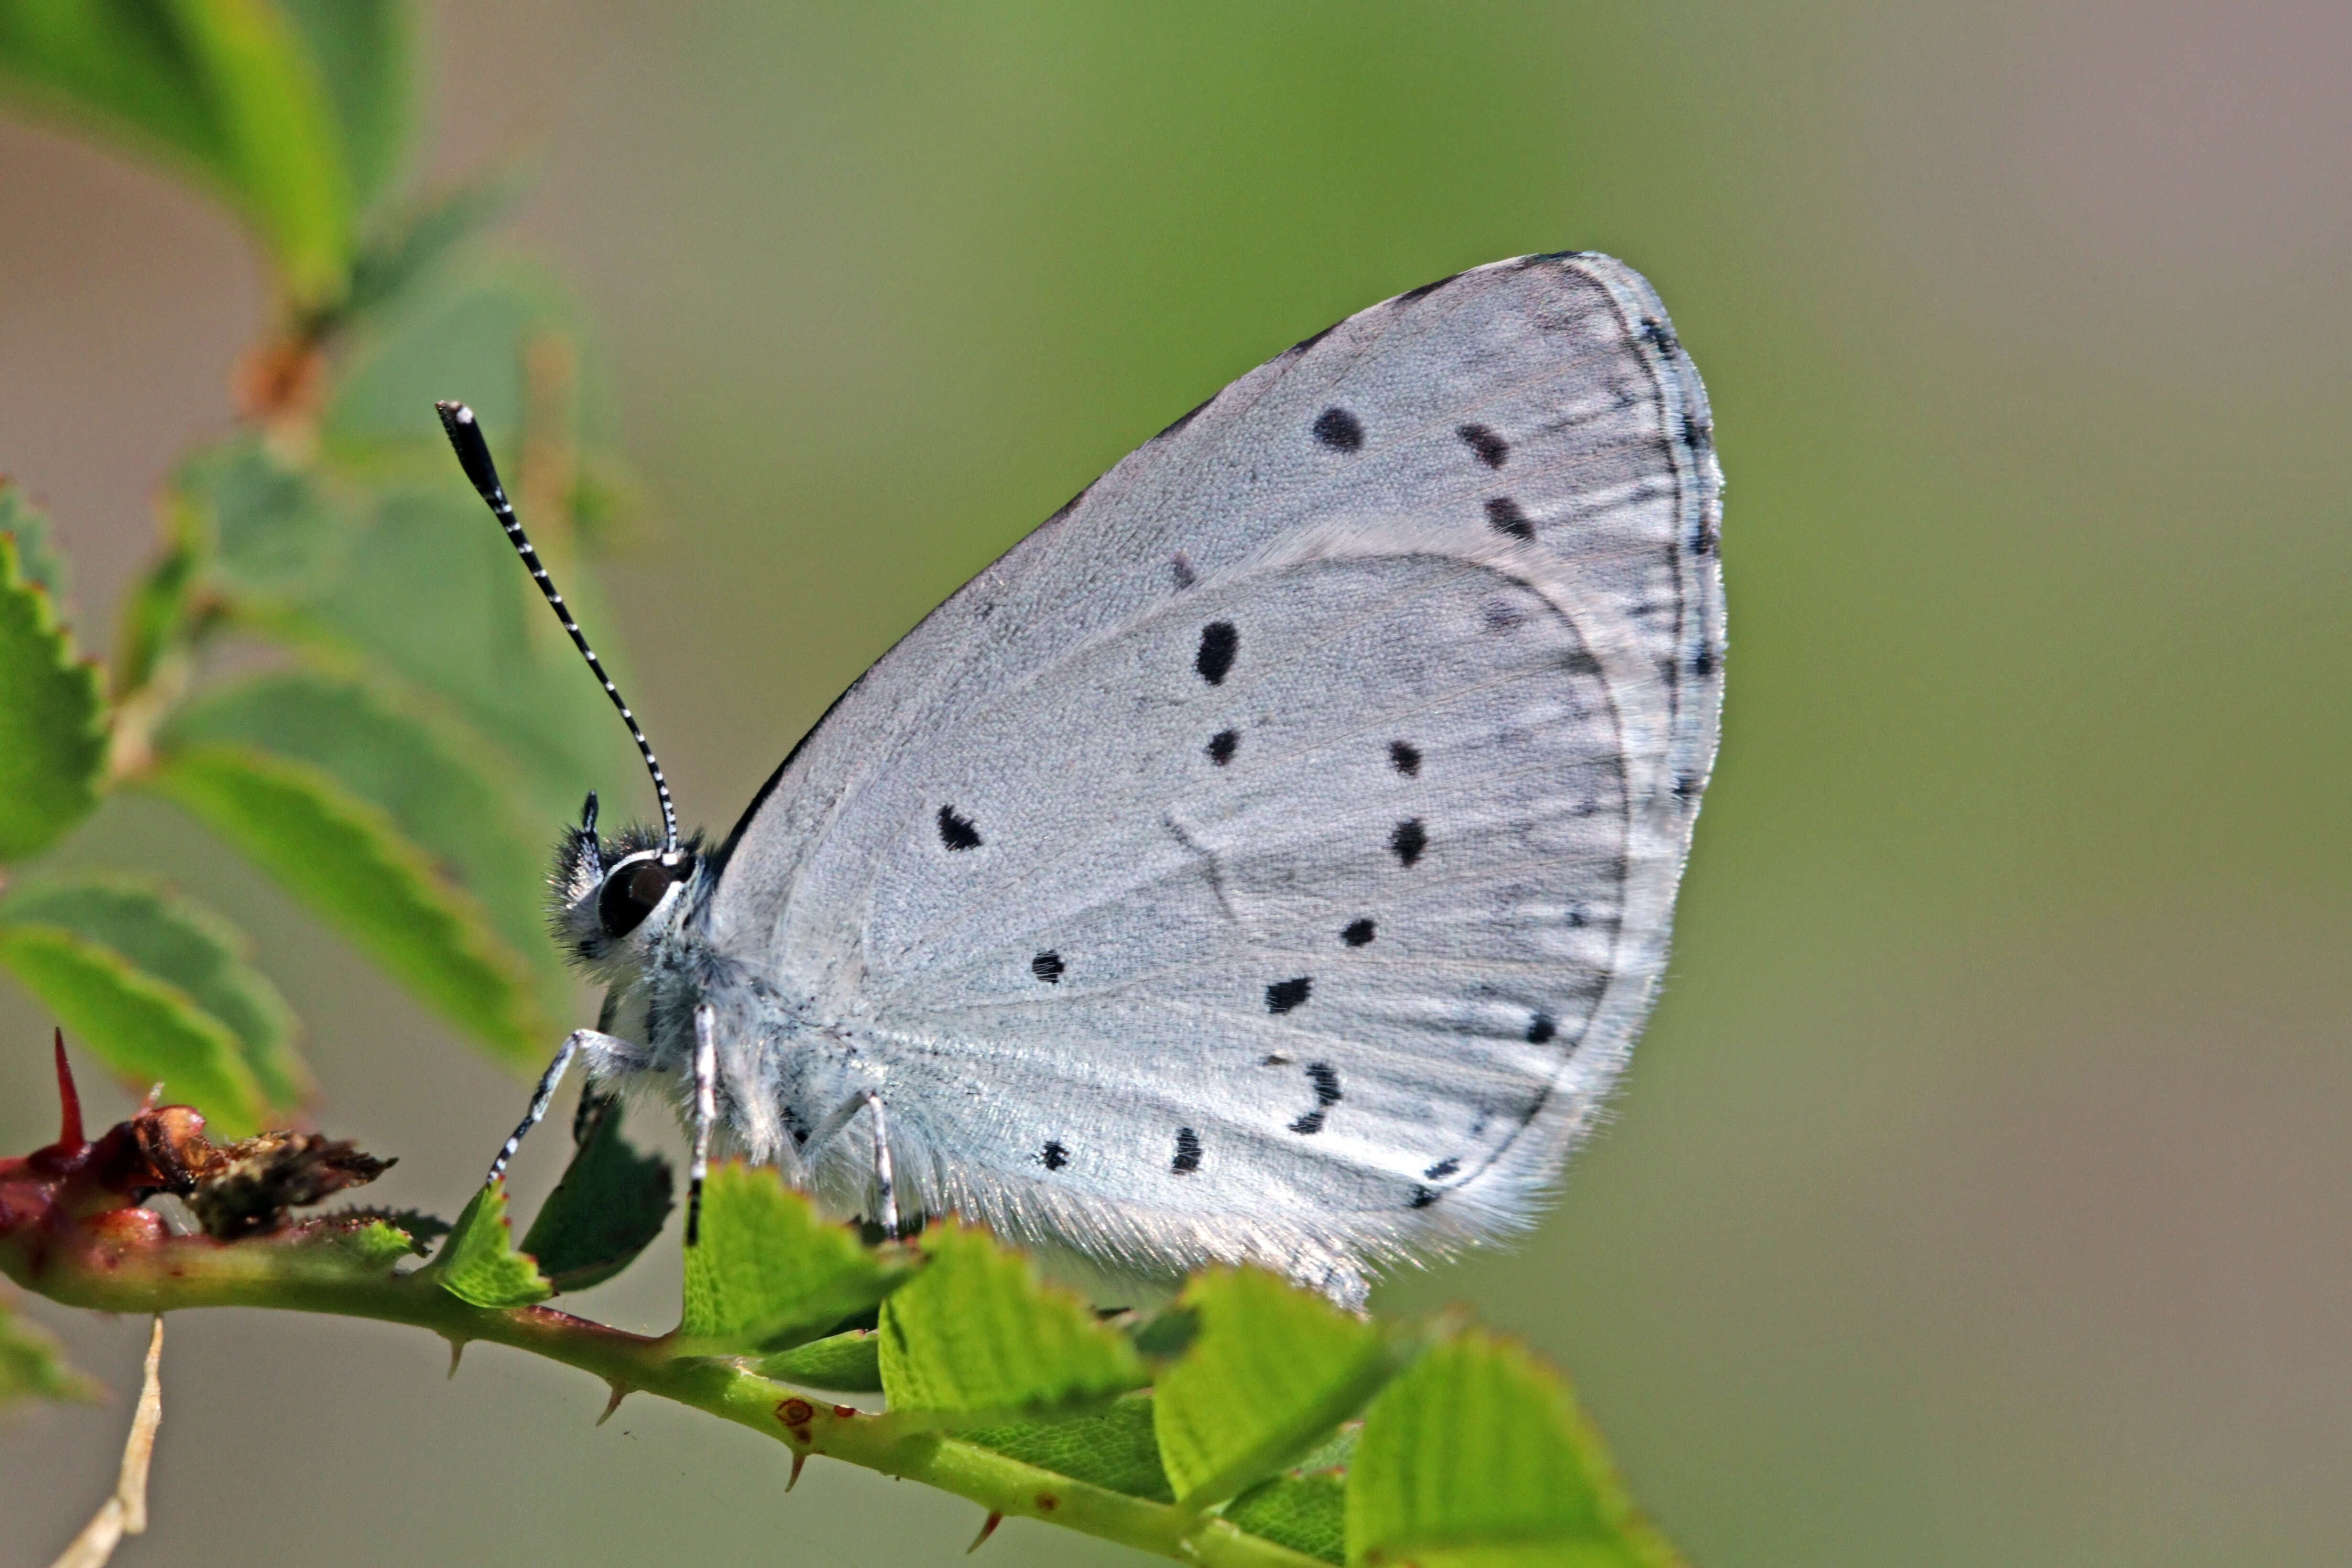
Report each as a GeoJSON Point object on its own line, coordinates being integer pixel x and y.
{"type": "Point", "coordinates": [1273, 855]}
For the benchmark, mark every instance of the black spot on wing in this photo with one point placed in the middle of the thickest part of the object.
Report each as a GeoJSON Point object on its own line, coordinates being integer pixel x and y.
{"type": "Point", "coordinates": [1285, 995]}
{"type": "Point", "coordinates": [1220, 641]}
{"type": "Point", "coordinates": [1407, 839]}
{"type": "Point", "coordinates": [1542, 1028]}
{"type": "Point", "coordinates": [1405, 758]}
{"type": "Point", "coordinates": [1047, 966]}
{"type": "Point", "coordinates": [1180, 567]}
{"type": "Point", "coordinates": [1661, 336]}
{"type": "Point", "coordinates": [1423, 1197]}
{"type": "Point", "coordinates": [1442, 1169]}
{"type": "Point", "coordinates": [1340, 430]}
{"type": "Point", "coordinates": [1358, 932]}
{"type": "Point", "coordinates": [1702, 662]}
{"type": "Point", "coordinates": [1188, 1152]}
{"type": "Point", "coordinates": [1504, 516]}
{"type": "Point", "coordinates": [1327, 1095]}
{"type": "Point", "coordinates": [1221, 746]}
{"type": "Point", "coordinates": [1581, 662]}
{"type": "Point", "coordinates": [1053, 1156]}
{"type": "Point", "coordinates": [1696, 432]}
{"type": "Point", "coordinates": [1492, 450]}
{"type": "Point", "coordinates": [956, 831]}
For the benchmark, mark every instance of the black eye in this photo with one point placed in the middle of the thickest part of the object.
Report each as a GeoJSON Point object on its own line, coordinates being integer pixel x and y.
{"type": "Point", "coordinates": [630, 893]}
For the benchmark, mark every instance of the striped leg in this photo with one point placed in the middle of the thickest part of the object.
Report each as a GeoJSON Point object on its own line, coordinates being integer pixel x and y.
{"type": "Point", "coordinates": [706, 1112]}
{"type": "Point", "coordinates": [544, 1095]}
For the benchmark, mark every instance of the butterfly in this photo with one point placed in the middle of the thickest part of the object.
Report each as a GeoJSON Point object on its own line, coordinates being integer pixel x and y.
{"type": "Point", "coordinates": [1268, 859]}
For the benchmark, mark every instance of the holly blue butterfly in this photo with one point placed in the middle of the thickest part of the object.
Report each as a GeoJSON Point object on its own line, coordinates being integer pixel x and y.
{"type": "Point", "coordinates": [1270, 858]}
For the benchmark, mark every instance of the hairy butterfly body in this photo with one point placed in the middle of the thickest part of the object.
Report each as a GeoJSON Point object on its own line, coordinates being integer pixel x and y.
{"type": "Point", "coordinates": [1269, 858]}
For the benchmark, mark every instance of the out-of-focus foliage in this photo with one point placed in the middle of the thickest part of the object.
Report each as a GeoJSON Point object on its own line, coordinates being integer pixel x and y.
{"type": "Point", "coordinates": [424, 726]}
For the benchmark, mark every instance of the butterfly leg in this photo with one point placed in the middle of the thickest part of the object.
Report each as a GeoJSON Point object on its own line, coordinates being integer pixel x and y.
{"type": "Point", "coordinates": [544, 1095]}
{"type": "Point", "coordinates": [885, 1185]}
{"type": "Point", "coordinates": [706, 1112]}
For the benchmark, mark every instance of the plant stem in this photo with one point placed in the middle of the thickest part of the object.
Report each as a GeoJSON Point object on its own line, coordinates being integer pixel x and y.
{"type": "Point", "coordinates": [146, 1273]}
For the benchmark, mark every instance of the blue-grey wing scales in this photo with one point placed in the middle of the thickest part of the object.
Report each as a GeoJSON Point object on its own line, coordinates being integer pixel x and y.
{"type": "Point", "coordinates": [1272, 856]}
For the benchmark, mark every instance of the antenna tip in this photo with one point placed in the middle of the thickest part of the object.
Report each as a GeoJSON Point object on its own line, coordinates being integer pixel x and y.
{"type": "Point", "coordinates": [473, 452]}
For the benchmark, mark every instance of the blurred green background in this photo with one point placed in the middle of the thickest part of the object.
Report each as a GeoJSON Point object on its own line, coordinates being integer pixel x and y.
{"type": "Point", "coordinates": [1979, 1195]}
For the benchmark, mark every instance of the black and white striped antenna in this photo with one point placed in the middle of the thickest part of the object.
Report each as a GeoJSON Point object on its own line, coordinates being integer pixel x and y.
{"type": "Point", "coordinates": [474, 457]}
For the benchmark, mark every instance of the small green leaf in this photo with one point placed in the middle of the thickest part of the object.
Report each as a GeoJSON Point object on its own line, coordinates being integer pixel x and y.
{"type": "Point", "coordinates": [37, 555]}
{"type": "Point", "coordinates": [144, 1028]}
{"type": "Point", "coordinates": [374, 1244]}
{"type": "Point", "coordinates": [1477, 1455]}
{"type": "Point", "coordinates": [221, 87]}
{"type": "Point", "coordinates": [480, 1264]}
{"type": "Point", "coordinates": [1113, 1447]}
{"type": "Point", "coordinates": [52, 724]}
{"type": "Point", "coordinates": [365, 54]}
{"type": "Point", "coordinates": [1271, 1371]}
{"type": "Point", "coordinates": [610, 1205]}
{"type": "Point", "coordinates": [278, 533]}
{"type": "Point", "coordinates": [433, 776]}
{"type": "Point", "coordinates": [472, 336]}
{"type": "Point", "coordinates": [347, 861]}
{"type": "Point", "coordinates": [1307, 1512]}
{"type": "Point", "coordinates": [767, 1273]}
{"type": "Point", "coordinates": [32, 1367]}
{"type": "Point", "coordinates": [850, 1362]}
{"type": "Point", "coordinates": [181, 941]}
{"type": "Point", "coordinates": [978, 1332]}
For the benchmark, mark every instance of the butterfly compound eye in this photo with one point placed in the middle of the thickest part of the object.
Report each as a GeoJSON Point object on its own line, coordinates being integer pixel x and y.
{"type": "Point", "coordinates": [630, 894]}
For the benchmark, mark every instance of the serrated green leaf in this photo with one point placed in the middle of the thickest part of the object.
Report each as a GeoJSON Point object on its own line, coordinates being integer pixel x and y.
{"type": "Point", "coordinates": [480, 1264]}
{"type": "Point", "coordinates": [221, 89]}
{"type": "Point", "coordinates": [1477, 1455]}
{"type": "Point", "coordinates": [52, 719]}
{"type": "Point", "coordinates": [768, 1272]}
{"type": "Point", "coordinates": [365, 54]}
{"type": "Point", "coordinates": [1113, 1447]}
{"type": "Point", "coordinates": [850, 1364]}
{"type": "Point", "coordinates": [433, 776]}
{"type": "Point", "coordinates": [146, 1029]}
{"type": "Point", "coordinates": [278, 533]}
{"type": "Point", "coordinates": [376, 1243]}
{"type": "Point", "coordinates": [432, 596]}
{"type": "Point", "coordinates": [347, 861]}
{"type": "Point", "coordinates": [178, 941]}
{"type": "Point", "coordinates": [31, 1366]}
{"type": "Point", "coordinates": [1272, 1370]}
{"type": "Point", "coordinates": [609, 1207]}
{"type": "Point", "coordinates": [37, 556]}
{"type": "Point", "coordinates": [1305, 1513]}
{"type": "Point", "coordinates": [977, 1331]}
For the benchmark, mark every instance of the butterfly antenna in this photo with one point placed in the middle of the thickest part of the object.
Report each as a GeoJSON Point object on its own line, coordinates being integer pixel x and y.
{"type": "Point", "coordinates": [474, 457]}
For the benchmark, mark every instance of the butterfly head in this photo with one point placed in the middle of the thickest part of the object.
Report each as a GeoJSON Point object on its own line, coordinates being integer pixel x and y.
{"type": "Point", "coordinates": [611, 899]}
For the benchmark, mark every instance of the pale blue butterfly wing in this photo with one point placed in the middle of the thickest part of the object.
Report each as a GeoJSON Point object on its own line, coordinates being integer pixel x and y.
{"type": "Point", "coordinates": [1271, 856]}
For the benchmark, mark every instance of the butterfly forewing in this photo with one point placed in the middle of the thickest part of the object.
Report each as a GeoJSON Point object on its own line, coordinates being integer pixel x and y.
{"type": "Point", "coordinates": [1272, 856]}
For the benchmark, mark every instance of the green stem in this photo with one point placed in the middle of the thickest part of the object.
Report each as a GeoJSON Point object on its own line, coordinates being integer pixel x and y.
{"type": "Point", "coordinates": [173, 1275]}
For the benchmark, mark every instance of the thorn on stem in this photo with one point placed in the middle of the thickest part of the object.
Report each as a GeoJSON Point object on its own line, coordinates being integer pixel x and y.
{"type": "Point", "coordinates": [69, 1133]}
{"type": "Point", "coordinates": [987, 1529]}
{"type": "Point", "coordinates": [457, 1351]}
{"type": "Point", "coordinates": [620, 1391]}
{"type": "Point", "coordinates": [800, 1458]}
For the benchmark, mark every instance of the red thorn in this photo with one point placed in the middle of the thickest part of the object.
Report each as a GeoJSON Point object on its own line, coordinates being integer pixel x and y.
{"type": "Point", "coordinates": [69, 1098]}
{"type": "Point", "coordinates": [986, 1529]}
{"type": "Point", "coordinates": [620, 1392]}
{"type": "Point", "coordinates": [800, 1458]}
